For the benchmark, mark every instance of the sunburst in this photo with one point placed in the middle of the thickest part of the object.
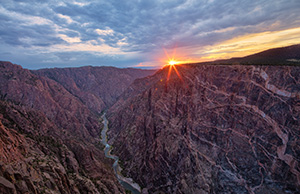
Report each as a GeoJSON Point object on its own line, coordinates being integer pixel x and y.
{"type": "Point", "coordinates": [172, 62]}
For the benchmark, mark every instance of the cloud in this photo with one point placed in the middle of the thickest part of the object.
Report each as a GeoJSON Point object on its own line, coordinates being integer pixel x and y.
{"type": "Point", "coordinates": [105, 32]}
{"type": "Point", "coordinates": [139, 29]}
{"type": "Point", "coordinates": [70, 39]}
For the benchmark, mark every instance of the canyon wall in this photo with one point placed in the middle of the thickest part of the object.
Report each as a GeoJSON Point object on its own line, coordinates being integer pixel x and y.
{"type": "Point", "coordinates": [213, 129]}
{"type": "Point", "coordinates": [97, 87]}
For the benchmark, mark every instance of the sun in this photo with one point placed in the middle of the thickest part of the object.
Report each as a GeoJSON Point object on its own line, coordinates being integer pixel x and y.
{"type": "Point", "coordinates": [173, 62]}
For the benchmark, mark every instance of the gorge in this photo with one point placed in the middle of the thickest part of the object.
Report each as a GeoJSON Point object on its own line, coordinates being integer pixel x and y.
{"type": "Point", "coordinates": [126, 182]}
{"type": "Point", "coordinates": [229, 126]}
{"type": "Point", "coordinates": [50, 133]}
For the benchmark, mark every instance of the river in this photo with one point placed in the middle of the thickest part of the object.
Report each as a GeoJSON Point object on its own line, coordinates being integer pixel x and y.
{"type": "Point", "coordinates": [126, 182]}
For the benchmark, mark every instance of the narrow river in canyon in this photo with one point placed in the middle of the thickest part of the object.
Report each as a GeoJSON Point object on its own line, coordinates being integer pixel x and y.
{"type": "Point", "coordinates": [126, 182]}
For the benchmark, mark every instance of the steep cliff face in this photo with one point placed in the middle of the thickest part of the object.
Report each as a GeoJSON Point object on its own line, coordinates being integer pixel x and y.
{"type": "Point", "coordinates": [49, 140]}
{"type": "Point", "coordinates": [96, 87]}
{"type": "Point", "coordinates": [217, 129]}
{"type": "Point", "coordinates": [20, 86]}
{"type": "Point", "coordinates": [36, 160]}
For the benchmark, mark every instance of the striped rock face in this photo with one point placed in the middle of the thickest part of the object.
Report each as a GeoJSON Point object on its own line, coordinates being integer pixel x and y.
{"type": "Point", "coordinates": [213, 129]}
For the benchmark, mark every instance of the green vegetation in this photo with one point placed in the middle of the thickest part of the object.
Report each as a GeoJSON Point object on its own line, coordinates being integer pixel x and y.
{"type": "Point", "coordinates": [127, 191]}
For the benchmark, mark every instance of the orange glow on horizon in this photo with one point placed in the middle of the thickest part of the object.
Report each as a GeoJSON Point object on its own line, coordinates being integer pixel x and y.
{"type": "Point", "coordinates": [249, 44]}
{"type": "Point", "coordinates": [239, 46]}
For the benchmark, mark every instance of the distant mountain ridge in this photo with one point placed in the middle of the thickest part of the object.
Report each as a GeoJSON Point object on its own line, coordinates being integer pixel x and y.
{"type": "Point", "coordinates": [289, 55]}
{"type": "Point", "coordinates": [96, 87]}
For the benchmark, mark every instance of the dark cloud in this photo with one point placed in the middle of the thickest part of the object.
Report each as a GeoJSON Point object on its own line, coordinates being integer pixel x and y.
{"type": "Point", "coordinates": [136, 26]}
{"type": "Point", "coordinates": [19, 34]}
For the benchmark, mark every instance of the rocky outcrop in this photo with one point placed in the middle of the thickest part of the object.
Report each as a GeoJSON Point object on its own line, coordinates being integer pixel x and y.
{"type": "Point", "coordinates": [97, 87]}
{"type": "Point", "coordinates": [213, 129]}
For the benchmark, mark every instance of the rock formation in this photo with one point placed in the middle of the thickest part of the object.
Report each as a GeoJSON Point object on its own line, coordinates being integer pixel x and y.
{"type": "Point", "coordinates": [214, 129]}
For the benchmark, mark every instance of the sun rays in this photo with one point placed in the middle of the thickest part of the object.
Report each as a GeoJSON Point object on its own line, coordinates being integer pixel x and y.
{"type": "Point", "coordinates": [172, 62]}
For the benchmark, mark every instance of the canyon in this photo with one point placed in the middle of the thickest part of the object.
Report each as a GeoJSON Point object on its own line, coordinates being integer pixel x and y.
{"type": "Point", "coordinates": [229, 126]}
{"type": "Point", "coordinates": [50, 136]}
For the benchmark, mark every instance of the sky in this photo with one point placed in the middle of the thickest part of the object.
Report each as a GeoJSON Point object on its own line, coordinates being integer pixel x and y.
{"type": "Point", "coordinates": [141, 33]}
